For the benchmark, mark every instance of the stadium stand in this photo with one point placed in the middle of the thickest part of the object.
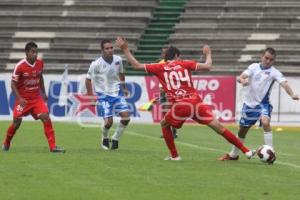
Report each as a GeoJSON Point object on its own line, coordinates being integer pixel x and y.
{"type": "Point", "coordinates": [68, 31]}
{"type": "Point", "coordinates": [156, 35]}
{"type": "Point", "coordinates": [238, 30]}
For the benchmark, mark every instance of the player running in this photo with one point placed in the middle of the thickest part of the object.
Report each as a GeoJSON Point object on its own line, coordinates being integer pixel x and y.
{"type": "Point", "coordinates": [175, 77]}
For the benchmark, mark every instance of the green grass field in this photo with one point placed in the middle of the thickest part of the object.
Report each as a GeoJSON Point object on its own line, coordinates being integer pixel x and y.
{"type": "Point", "coordinates": [137, 170]}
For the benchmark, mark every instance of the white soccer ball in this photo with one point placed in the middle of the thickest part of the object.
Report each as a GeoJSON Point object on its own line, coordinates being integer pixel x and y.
{"type": "Point", "coordinates": [266, 154]}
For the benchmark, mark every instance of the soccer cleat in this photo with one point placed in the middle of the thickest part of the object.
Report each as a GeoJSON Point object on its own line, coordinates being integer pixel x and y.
{"type": "Point", "coordinates": [250, 154]}
{"type": "Point", "coordinates": [228, 157]}
{"type": "Point", "coordinates": [171, 158]}
{"type": "Point", "coordinates": [5, 147]}
{"type": "Point", "coordinates": [57, 149]}
{"type": "Point", "coordinates": [105, 143]}
{"type": "Point", "coordinates": [114, 144]}
{"type": "Point", "coordinates": [174, 136]}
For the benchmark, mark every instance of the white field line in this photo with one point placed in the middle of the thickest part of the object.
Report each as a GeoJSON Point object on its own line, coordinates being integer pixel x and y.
{"type": "Point", "coordinates": [204, 148]}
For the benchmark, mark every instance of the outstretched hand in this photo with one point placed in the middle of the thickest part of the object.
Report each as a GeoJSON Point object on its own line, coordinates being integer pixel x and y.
{"type": "Point", "coordinates": [206, 50]}
{"type": "Point", "coordinates": [243, 81]}
{"type": "Point", "coordinates": [295, 97]}
{"type": "Point", "coordinates": [121, 43]}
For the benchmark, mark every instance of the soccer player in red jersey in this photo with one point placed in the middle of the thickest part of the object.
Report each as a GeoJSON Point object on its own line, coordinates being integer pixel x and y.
{"type": "Point", "coordinates": [28, 85]}
{"type": "Point", "coordinates": [175, 77]}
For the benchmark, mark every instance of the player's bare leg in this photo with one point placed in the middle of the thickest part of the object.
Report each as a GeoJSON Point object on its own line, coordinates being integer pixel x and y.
{"type": "Point", "coordinates": [49, 133]}
{"type": "Point", "coordinates": [125, 119]}
{"type": "Point", "coordinates": [11, 131]}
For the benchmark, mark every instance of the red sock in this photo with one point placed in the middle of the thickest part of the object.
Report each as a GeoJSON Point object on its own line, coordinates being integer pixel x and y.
{"type": "Point", "coordinates": [9, 135]}
{"type": "Point", "coordinates": [169, 139]}
{"type": "Point", "coordinates": [49, 133]}
{"type": "Point", "coordinates": [230, 137]}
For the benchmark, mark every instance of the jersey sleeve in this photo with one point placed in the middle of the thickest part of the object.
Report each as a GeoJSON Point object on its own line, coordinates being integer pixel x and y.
{"type": "Point", "coordinates": [153, 68]}
{"type": "Point", "coordinates": [279, 77]}
{"type": "Point", "coordinates": [249, 71]}
{"type": "Point", "coordinates": [189, 64]}
{"type": "Point", "coordinates": [91, 70]}
{"type": "Point", "coordinates": [17, 73]}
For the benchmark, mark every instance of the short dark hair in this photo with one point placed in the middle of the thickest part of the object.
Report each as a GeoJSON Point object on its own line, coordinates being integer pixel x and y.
{"type": "Point", "coordinates": [171, 53]}
{"type": "Point", "coordinates": [103, 42]}
{"type": "Point", "coordinates": [30, 45]}
{"type": "Point", "coordinates": [271, 51]}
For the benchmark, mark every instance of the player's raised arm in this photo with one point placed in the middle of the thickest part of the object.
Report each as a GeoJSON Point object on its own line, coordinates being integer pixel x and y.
{"type": "Point", "coordinates": [208, 60]}
{"type": "Point", "coordinates": [123, 45]}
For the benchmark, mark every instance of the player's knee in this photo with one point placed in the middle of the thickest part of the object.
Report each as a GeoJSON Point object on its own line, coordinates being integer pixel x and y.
{"type": "Point", "coordinates": [107, 125]}
{"type": "Point", "coordinates": [265, 123]}
{"type": "Point", "coordinates": [17, 123]}
{"type": "Point", "coordinates": [217, 126]}
{"type": "Point", "coordinates": [44, 117]}
{"type": "Point", "coordinates": [125, 122]}
{"type": "Point", "coordinates": [164, 123]}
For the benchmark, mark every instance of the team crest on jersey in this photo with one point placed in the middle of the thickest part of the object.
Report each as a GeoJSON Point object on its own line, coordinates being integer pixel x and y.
{"type": "Point", "coordinates": [117, 63]}
{"type": "Point", "coordinates": [267, 73]}
{"type": "Point", "coordinates": [34, 73]}
{"type": "Point", "coordinates": [257, 77]}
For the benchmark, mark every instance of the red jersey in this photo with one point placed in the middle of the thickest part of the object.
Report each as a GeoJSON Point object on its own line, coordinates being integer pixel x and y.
{"type": "Point", "coordinates": [27, 78]}
{"type": "Point", "coordinates": [175, 78]}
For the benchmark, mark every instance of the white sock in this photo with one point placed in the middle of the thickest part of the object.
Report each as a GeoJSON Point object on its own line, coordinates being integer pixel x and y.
{"type": "Point", "coordinates": [104, 132]}
{"type": "Point", "coordinates": [235, 151]}
{"type": "Point", "coordinates": [268, 137]}
{"type": "Point", "coordinates": [119, 131]}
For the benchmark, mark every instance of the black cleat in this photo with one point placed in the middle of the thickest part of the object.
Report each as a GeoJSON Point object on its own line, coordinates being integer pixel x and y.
{"type": "Point", "coordinates": [57, 149]}
{"type": "Point", "coordinates": [105, 143]}
{"type": "Point", "coordinates": [114, 144]}
{"type": "Point", "coordinates": [174, 136]}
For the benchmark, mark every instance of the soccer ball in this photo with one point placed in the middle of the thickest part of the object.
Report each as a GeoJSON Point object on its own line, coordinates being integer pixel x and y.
{"type": "Point", "coordinates": [266, 154]}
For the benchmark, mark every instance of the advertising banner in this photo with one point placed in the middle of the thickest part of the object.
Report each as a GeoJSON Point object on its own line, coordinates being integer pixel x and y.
{"type": "Point", "coordinates": [67, 99]}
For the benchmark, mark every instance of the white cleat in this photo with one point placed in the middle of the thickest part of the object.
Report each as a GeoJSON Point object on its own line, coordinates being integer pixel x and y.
{"type": "Point", "coordinates": [250, 154]}
{"type": "Point", "coordinates": [171, 158]}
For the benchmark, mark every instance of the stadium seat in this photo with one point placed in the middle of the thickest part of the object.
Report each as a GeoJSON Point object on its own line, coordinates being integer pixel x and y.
{"type": "Point", "coordinates": [68, 31]}
{"type": "Point", "coordinates": [238, 31]}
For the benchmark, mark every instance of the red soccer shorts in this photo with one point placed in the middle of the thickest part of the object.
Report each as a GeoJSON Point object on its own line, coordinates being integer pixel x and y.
{"type": "Point", "coordinates": [35, 108]}
{"type": "Point", "coordinates": [184, 110]}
